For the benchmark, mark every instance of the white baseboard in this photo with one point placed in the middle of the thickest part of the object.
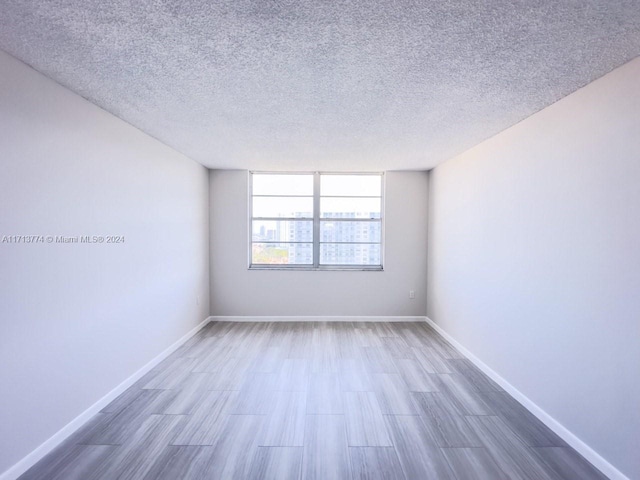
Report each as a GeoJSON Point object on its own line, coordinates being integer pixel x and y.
{"type": "Point", "coordinates": [31, 459]}
{"type": "Point", "coordinates": [318, 318]}
{"type": "Point", "coordinates": [585, 450]}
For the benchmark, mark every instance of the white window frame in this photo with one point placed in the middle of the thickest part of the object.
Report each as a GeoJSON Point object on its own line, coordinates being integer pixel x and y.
{"type": "Point", "coordinates": [316, 225]}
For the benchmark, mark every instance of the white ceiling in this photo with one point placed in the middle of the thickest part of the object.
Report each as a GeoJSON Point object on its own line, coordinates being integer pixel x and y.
{"type": "Point", "coordinates": [318, 84]}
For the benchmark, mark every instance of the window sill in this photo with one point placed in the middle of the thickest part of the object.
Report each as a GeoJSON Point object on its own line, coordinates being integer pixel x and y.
{"type": "Point", "coordinates": [304, 268]}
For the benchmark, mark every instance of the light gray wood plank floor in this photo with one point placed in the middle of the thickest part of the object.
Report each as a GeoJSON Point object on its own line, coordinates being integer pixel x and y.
{"type": "Point", "coordinates": [307, 400]}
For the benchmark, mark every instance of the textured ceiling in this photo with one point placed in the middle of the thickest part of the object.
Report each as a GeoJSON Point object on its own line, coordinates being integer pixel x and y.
{"type": "Point", "coordinates": [316, 84]}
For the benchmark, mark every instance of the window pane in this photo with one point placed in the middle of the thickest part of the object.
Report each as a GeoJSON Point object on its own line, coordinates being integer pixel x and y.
{"type": "Point", "coordinates": [344, 207]}
{"type": "Point", "coordinates": [268, 184]}
{"type": "Point", "coordinates": [282, 231]}
{"type": "Point", "coordinates": [350, 231]}
{"type": "Point", "coordinates": [282, 254]}
{"type": "Point", "coordinates": [351, 185]}
{"type": "Point", "coordinates": [293, 207]}
{"type": "Point", "coordinates": [349, 254]}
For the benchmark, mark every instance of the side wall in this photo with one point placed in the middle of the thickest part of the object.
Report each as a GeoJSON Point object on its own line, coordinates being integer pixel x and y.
{"type": "Point", "coordinates": [78, 319]}
{"type": "Point", "coordinates": [238, 291]}
{"type": "Point", "coordinates": [534, 260]}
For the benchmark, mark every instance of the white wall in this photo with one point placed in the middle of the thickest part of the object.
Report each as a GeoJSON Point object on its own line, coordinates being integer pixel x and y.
{"type": "Point", "coordinates": [78, 319]}
{"type": "Point", "coordinates": [238, 291]}
{"type": "Point", "coordinates": [534, 260]}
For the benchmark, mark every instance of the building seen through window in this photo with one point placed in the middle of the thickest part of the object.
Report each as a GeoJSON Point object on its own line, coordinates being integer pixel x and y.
{"type": "Point", "coordinates": [316, 220]}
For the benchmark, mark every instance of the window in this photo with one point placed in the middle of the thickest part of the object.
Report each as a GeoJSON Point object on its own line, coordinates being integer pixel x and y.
{"type": "Point", "coordinates": [316, 220]}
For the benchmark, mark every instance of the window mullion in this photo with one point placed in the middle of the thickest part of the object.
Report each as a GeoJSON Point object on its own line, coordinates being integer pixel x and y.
{"type": "Point", "coordinates": [316, 220]}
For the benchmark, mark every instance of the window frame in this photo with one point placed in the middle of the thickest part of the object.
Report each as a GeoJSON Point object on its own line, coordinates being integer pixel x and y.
{"type": "Point", "coordinates": [316, 218]}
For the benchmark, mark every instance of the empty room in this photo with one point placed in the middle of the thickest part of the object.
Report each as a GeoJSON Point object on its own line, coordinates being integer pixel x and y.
{"type": "Point", "coordinates": [276, 239]}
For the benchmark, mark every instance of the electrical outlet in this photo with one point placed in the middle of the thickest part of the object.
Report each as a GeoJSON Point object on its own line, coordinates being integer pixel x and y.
{"type": "Point", "coordinates": [197, 299]}
{"type": "Point", "coordinates": [412, 294]}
